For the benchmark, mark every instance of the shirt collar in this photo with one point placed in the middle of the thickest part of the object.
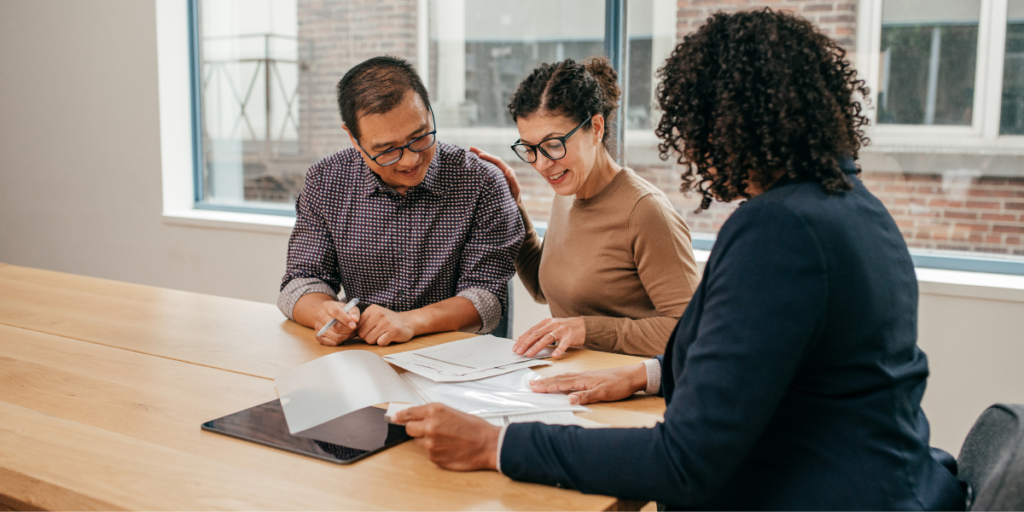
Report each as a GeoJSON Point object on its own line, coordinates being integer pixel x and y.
{"type": "Point", "coordinates": [432, 183]}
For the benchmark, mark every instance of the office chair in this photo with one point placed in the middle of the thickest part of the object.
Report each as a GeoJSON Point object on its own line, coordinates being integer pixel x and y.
{"type": "Point", "coordinates": [991, 461]}
{"type": "Point", "coordinates": [504, 328]}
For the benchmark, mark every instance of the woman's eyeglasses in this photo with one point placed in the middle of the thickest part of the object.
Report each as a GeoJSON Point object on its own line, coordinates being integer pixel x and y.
{"type": "Point", "coordinates": [553, 148]}
{"type": "Point", "coordinates": [421, 143]}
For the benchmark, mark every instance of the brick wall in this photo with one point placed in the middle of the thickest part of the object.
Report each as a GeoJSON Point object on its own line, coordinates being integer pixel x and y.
{"type": "Point", "coordinates": [965, 213]}
{"type": "Point", "coordinates": [838, 19]}
{"type": "Point", "coordinates": [335, 35]}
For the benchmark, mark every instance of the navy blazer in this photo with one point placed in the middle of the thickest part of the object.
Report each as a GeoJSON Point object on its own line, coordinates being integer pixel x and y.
{"type": "Point", "coordinates": [792, 381]}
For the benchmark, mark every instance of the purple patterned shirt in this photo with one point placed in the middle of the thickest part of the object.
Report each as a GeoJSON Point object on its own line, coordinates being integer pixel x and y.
{"type": "Point", "coordinates": [455, 234]}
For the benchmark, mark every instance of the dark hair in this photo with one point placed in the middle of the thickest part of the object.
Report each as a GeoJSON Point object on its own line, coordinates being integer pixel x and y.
{"type": "Point", "coordinates": [376, 86]}
{"type": "Point", "coordinates": [762, 91]}
{"type": "Point", "coordinates": [577, 91]}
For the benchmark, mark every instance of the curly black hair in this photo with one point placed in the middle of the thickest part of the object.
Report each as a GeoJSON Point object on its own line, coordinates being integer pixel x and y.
{"type": "Point", "coordinates": [752, 93]}
{"type": "Point", "coordinates": [575, 90]}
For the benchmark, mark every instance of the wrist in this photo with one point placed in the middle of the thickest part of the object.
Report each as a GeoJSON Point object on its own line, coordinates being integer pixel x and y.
{"type": "Point", "coordinates": [491, 450]}
{"type": "Point", "coordinates": [638, 377]}
{"type": "Point", "coordinates": [413, 321]}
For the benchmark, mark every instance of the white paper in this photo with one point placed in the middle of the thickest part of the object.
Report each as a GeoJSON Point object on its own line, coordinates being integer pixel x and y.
{"type": "Point", "coordinates": [393, 409]}
{"type": "Point", "coordinates": [550, 418]}
{"type": "Point", "coordinates": [464, 360]}
{"type": "Point", "coordinates": [439, 376]}
{"type": "Point", "coordinates": [335, 385]}
{"type": "Point", "coordinates": [495, 396]}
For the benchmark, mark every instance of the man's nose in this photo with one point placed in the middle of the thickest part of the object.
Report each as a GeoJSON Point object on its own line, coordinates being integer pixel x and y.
{"type": "Point", "coordinates": [409, 159]}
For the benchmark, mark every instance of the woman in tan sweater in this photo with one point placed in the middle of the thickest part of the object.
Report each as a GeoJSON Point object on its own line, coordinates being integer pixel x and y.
{"type": "Point", "coordinates": [615, 266]}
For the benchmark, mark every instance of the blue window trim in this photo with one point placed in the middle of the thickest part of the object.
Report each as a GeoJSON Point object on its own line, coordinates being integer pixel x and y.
{"type": "Point", "coordinates": [614, 28]}
{"type": "Point", "coordinates": [966, 263]}
{"type": "Point", "coordinates": [195, 71]}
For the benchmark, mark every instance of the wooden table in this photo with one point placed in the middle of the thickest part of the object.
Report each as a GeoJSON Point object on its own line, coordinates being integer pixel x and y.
{"type": "Point", "coordinates": [103, 387]}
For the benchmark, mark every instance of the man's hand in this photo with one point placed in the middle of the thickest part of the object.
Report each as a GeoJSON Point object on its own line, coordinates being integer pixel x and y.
{"type": "Point", "coordinates": [596, 385]}
{"type": "Point", "coordinates": [381, 326]}
{"type": "Point", "coordinates": [452, 439]}
{"type": "Point", "coordinates": [345, 327]}
{"type": "Point", "coordinates": [566, 332]}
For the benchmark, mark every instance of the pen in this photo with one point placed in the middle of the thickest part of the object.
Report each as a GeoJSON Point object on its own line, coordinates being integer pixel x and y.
{"type": "Point", "coordinates": [348, 307]}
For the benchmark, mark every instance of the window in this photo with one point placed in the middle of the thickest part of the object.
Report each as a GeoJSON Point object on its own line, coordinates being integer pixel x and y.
{"type": "Point", "coordinates": [946, 157]}
{"type": "Point", "coordinates": [947, 81]}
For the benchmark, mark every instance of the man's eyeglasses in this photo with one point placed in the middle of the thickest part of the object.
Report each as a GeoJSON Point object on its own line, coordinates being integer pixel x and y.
{"type": "Point", "coordinates": [553, 148]}
{"type": "Point", "coordinates": [421, 143]}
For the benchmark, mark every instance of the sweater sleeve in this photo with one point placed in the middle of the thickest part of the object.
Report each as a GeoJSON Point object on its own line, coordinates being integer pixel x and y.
{"type": "Point", "coordinates": [764, 305]}
{"type": "Point", "coordinates": [660, 242]}
{"type": "Point", "coordinates": [528, 260]}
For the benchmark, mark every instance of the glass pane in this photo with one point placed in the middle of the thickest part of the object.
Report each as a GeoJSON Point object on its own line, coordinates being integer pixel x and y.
{"type": "Point", "coordinates": [1012, 120]}
{"type": "Point", "coordinates": [482, 49]}
{"type": "Point", "coordinates": [951, 203]}
{"type": "Point", "coordinates": [928, 61]}
{"type": "Point", "coordinates": [250, 76]}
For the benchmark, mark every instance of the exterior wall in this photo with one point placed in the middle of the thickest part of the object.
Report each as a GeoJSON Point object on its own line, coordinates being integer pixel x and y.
{"type": "Point", "coordinates": [838, 19]}
{"type": "Point", "coordinates": [335, 35]}
{"type": "Point", "coordinates": [981, 214]}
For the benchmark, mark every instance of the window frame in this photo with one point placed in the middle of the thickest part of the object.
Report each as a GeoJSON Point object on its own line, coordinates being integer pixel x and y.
{"type": "Point", "coordinates": [901, 137]}
{"type": "Point", "coordinates": [983, 133]}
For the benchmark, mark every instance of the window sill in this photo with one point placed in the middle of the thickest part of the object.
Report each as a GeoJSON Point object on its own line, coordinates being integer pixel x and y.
{"type": "Point", "coordinates": [953, 283]}
{"type": "Point", "coordinates": [232, 221]}
{"type": "Point", "coordinates": [977, 285]}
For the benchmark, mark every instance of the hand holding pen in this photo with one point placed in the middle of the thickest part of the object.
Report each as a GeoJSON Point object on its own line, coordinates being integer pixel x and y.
{"type": "Point", "coordinates": [338, 322]}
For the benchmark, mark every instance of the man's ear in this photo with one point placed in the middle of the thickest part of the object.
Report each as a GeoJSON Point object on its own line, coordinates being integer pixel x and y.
{"type": "Point", "coordinates": [351, 138]}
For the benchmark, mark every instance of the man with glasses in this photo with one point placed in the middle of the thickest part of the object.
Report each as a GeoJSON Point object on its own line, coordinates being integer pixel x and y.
{"type": "Point", "coordinates": [423, 233]}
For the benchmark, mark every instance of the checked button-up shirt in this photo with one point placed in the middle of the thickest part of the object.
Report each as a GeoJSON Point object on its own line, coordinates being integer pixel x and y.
{"type": "Point", "coordinates": [455, 234]}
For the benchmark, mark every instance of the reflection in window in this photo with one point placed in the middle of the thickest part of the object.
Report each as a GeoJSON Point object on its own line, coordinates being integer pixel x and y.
{"type": "Point", "coordinates": [928, 62]}
{"type": "Point", "coordinates": [484, 48]}
{"type": "Point", "coordinates": [1012, 119]}
{"type": "Point", "coordinates": [249, 79]}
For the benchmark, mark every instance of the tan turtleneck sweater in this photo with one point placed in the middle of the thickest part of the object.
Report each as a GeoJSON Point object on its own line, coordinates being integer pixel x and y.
{"type": "Point", "coordinates": [622, 260]}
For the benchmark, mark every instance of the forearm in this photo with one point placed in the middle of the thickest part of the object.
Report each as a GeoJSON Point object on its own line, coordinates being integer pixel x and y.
{"type": "Point", "coordinates": [528, 258]}
{"type": "Point", "coordinates": [307, 306]}
{"type": "Point", "coordinates": [644, 336]}
{"type": "Point", "coordinates": [454, 314]}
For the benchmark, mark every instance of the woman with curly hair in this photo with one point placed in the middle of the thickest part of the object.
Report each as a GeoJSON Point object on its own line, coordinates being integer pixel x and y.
{"type": "Point", "coordinates": [793, 380]}
{"type": "Point", "coordinates": [616, 266]}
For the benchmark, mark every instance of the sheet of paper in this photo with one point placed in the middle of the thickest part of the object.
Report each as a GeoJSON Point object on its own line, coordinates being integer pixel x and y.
{"type": "Point", "coordinates": [495, 396]}
{"type": "Point", "coordinates": [393, 409]}
{"type": "Point", "coordinates": [335, 385]}
{"type": "Point", "coordinates": [439, 376]}
{"type": "Point", "coordinates": [585, 423]}
{"type": "Point", "coordinates": [464, 360]}
{"type": "Point", "coordinates": [551, 418]}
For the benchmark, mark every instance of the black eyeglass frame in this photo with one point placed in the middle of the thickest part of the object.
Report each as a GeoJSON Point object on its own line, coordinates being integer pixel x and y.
{"type": "Point", "coordinates": [536, 147]}
{"type": "Point", "coordinates": [401, 149]}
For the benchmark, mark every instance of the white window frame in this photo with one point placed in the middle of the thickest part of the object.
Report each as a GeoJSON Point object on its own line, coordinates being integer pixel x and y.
{"type": "Point", "coordinates": [982, 136]}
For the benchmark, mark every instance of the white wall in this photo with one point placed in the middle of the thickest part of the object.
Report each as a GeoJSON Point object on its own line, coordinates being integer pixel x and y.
{"type": "Point", "coordinates": [80, 192]}
{"type": "Point", "coordinates": [80, 181]}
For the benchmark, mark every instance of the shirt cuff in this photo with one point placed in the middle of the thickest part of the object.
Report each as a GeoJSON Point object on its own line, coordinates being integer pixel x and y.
{"type": "Point", "coordinates": [487, 306]}
{"type": "Point", "coordinates": [653, 376]}
{"type": "Point", "coordinates": [296, 288]}
{"type": "Point", "coordinates": [501, 441]}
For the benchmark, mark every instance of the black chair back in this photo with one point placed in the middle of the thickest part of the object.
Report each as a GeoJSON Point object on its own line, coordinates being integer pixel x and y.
{"type": "Point", "coordinates": [991, 461]}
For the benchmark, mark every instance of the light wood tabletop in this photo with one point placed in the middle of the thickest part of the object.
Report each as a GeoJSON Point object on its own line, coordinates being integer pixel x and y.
{"type": "Point", "coordinates": [105, 385]}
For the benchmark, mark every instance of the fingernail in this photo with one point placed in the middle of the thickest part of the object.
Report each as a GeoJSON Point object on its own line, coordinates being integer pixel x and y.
{"type": "Point", "coordinates": [573, 399]}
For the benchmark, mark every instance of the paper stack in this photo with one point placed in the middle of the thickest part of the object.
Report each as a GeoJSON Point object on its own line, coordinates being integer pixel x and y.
{"type": "Point", "coordinates": [466, 360]}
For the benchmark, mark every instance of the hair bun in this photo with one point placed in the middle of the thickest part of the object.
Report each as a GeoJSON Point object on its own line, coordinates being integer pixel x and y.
{"type": "Point", "coordinates": [601, 69]}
